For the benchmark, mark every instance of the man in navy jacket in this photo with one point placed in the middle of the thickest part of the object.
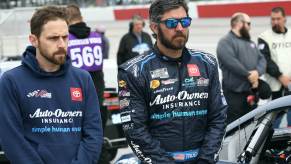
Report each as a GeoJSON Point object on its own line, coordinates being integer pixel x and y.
{"type": "Point", "coordinates": [172, 109]}
{"type": "Point", "coordinates": [49, 109]}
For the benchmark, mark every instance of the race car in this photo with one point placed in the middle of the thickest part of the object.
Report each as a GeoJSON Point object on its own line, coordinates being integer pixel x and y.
{"type": "Point", "coordinates": [262, 136]}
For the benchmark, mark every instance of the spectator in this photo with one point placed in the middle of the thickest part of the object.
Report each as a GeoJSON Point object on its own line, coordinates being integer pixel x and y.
{"type": "Point", "coordinates": [275, 44]}
{"type": "Point", "coordinates": [241, 64]}
{"type": "Point", "coordinates": [49, 113]}
{"type": "Point", "coordinates": [85, 50]}
{"type": "Point", "coordinates": [101, 29]}
{"type": "Point", "coordinates": [171, 105]}
{"type": "Point", "coordinates": [135, 42]}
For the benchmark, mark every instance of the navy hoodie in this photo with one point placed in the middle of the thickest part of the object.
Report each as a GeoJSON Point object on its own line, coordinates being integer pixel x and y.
{"type": "Point", "coordinates": [49, 118]}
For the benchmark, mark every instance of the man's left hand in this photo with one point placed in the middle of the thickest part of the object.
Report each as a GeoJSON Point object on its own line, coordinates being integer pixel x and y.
{"type": "Point", "coordinates": [254, 76]}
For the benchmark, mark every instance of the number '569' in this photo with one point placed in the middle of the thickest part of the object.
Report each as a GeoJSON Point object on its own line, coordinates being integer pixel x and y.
{"type": "Point", "coordinates": [86, 56]}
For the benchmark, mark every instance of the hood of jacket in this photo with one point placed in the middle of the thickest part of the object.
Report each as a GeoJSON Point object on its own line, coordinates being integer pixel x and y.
{"type": "Point", "coordinates": [29, 60]}
{"type": "Point", "coordinates": [80, 30]}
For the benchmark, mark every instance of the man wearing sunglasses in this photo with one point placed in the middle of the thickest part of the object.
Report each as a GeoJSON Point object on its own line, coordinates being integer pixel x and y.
{"type": "Point", "coordinates": [172, 109]}
{"type": "Point", "coordinates": [241, 64]}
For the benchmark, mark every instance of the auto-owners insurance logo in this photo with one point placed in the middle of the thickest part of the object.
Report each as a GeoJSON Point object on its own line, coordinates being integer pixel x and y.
{"type": "Point", "coordinates": [76, 94]}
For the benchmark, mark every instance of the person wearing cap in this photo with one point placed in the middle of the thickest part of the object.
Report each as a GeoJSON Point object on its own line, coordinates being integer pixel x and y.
{"type": "Point", "coordinates": [241, 64]}
{"type": "Point", "coordinates": [135, 42]}
{"type": "Point", "coordinates": [172, 109]}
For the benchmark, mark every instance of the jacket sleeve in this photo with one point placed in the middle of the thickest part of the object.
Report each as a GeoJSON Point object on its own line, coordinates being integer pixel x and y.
{"type": "Point", "coordinates": [134, 118]}
{"type": "Point", "coordinates": [272, 67]}
{"type": "Point", "coordinates": [121, 51]}
{"type": "Point", "coordinates": [16, 147]}
{"type": "Point", "coordinates": [262, 63]}
{"type": "Point", "coordinates": [92, 133]}
{"type": "Point", "coordinates": [227, 58]}
{"type": "Point", "coordinates": [216, 117]}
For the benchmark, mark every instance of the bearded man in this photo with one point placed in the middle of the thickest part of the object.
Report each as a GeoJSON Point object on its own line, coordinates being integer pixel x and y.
{"type": "Point", "coordinates": [241, 64]}
{"type": "Point", "coordinates": [172, 109]}
{"type": "Point", "coordinates": [49, 109]}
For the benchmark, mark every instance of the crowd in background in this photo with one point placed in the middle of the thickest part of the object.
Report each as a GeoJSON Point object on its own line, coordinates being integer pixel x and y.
{"type": "Point", "coordinates": [7, 4]}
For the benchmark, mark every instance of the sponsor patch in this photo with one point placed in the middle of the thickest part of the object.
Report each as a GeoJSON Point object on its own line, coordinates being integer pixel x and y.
{"type": "Point", "coordinates": [163, 90]}
{"type": "Point", "coordinates": [169, 81]}
{"type": "Point", "coordinates": [189, 82]}
{"type": "Point", "coordinates": [125, 118]}
{"type": "Point", "coordinates": [193, 70]}
{"type": "Point", "coordinates": [124, 93]}
{"type": "Point", "coordinates": [154, 84]}
{"type": "Point", "coordinates": [76, 94]}
{"type": "Point", "coordinates": [124, 103]}
{"type": "Point", "coordinates": [127, 126]}
{"type": "Point", "coordinates": [40, 93]}
{"type": "Point", "coordinates": [202, 82]}
{"type": "Point", "coordinates": [179, 156]}
{"type": "Point", "coordinates": [139, 153]}
{"type": "Point", "coordinates": [160, 73]}
{"type": "Point", "coordinates": [122, 84]}
{"type": "Point", "coordinates": [184, 156]}
{"type": "Point", "coordinates": [181, 96]}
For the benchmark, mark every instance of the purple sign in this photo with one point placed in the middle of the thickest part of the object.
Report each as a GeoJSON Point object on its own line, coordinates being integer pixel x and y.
{"type": "Point", "coordinates": [86, 53]}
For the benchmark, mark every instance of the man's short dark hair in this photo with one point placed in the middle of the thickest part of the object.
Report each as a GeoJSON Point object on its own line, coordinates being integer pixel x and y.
{"type": "Point", "coordinates": [279, 10]}
{"type": "Point", "coordinates": [44, 15]}
{"type": "Point", "coordinates": [159, 7]}
{"type": "Point", "coordinates": [74, 13]}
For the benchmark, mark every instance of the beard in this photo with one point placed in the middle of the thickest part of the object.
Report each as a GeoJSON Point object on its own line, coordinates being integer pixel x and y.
{"type": "Point", "coordinates": [244, 32]}
{"type": "Point", "coordinates": [178, 41]}
{"type": "Point", "coordinates": [276, 28]}
{"type": "Point", "coordinates": [57, 58]}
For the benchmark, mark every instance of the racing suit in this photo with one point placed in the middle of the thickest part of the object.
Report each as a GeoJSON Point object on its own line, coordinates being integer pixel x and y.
{"type": "Point", "coordinates": [172, 110]}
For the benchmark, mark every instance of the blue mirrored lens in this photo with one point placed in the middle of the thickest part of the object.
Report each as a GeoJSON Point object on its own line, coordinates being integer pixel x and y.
{"type": "Point", "coordinates": [186, 22]}
{"type": "Point", "coordinates": [173, 23]}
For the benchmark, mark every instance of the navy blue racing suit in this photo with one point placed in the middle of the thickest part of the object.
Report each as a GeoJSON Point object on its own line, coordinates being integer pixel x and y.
{"type": "Point", "coordinates": [172, 110]}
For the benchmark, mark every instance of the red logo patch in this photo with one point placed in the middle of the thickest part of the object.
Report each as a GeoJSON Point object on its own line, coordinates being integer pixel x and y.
{"type": "Point", "coordinates": [76, 94]}
{"type": "Point", "coordinates": [193, 70]}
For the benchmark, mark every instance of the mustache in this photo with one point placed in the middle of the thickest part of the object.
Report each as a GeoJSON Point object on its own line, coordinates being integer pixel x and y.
{"type": "Point", "coordinates": [61, 51]}
{"type": "Point", "coordinates": [179, 34]}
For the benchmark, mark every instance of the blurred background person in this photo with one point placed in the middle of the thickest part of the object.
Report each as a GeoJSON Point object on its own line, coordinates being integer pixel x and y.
{"type": "Point", "coordinates": [135, 42]}
{"type": "Point", "coordinates": [241, 64]}
{"type": "Point", "coordinates": [275, 44]}
{"type": "Point", "coordinates": [106, 45]}
{"type": "Point", "coordinates": [86, 49]}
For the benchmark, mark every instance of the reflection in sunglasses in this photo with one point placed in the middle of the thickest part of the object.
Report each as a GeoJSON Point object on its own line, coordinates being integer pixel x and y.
{"type": "Point", "coordinates": [173, 22]}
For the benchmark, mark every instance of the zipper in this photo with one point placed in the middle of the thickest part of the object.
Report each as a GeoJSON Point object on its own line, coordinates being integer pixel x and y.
{"type": "Point", "coordinates": [179, 89]}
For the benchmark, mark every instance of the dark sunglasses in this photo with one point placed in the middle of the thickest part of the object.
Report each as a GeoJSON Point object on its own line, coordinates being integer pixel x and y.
{"type": "Point", "coordinates": [248, 23]}
{"type": "Point", "coordinates": [173, 22]}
